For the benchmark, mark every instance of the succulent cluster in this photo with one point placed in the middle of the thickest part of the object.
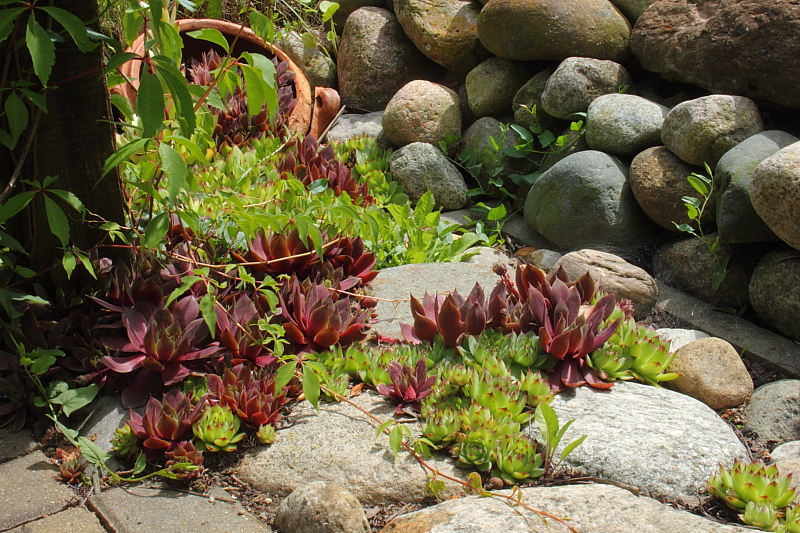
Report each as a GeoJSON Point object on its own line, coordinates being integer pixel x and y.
{"type": "Point", "coordinates": [761, 492]}
{"type": "Point", "coordinates": [306, 161]}
{"type": "Point", "coordinates": [235, 125]}
{"type": "Point", "coordinates": [633, 351]}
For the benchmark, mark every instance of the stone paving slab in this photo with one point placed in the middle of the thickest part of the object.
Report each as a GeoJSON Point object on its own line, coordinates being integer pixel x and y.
{"type": "Point", "coordinates": [159, 510]}
{"type": "Point", "coordinates": [74, 520]}
{"type": "Point", "coordinates": [15, 443]}
{"type": "Point", "coordinates": [29, 490]}
{"type": "Point", "coordinates": [759, 344]}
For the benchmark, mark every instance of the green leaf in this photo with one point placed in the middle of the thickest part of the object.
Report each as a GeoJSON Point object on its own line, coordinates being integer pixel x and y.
{"type": "Point", "coordinates": [309, 40]}
{"type": "Point", "coordinates": [124, 105]}
{"type": "Point", "coordinates": [175, 168]}
{"type": "Point", "coordinates": [70, 199]}
{"type": "Point", "coordinates": [13, 244]}
{"type": "Point", "coordinates": [42, 50]}
{"type": "Point", "coordinates": [186, 284]}
{"type": "Point", "coordinates": [74, 399]}
{"type": "Point", "coordinates": [211, 35]}
{"type": "Point", "coordinates": [8, 20]}
{"type": "Point", "coordinates": [328, 9]}
{"type": "Point", "coordinates": [685, 228]}
{"type": "Point", "coordinates": [59, 225]}
{"type": "Point", "coordinates": [71, 434]}
{"type": "Point", "coordinates": [546, 138]}
{"type": "Point", "coordinates": [396, 438]}
{"type": "Point", "coordinates": [42, 364]}
{"type": "Point", "coordinates": [267, 69]}
{"type": "Point", "coordinates": [17, 115]}
{"type": "Point", "coordinates": [15, 204]}
{"type": "Point", "coordinates": [209, 316]}
{"type": "Point", "coordinates": [156, 229]}
{"type": "Point", "coordinates": [284, 375]}
{"type": "Point", "coordinates": [92, 452]}
{"type": "Point", "coordinates": [132, 24]}
{"type": "Point", "coordinates": [87, 264]}
{"type": "Point", "coordinates": [383, 427]}
{"type": "Point", "coordinates": [150, 103]}
{"type": "Point", "coordinates": [117, 60]}
{"type": "Point", "coordinates": [546, 420]}
{"type": "Point", "coordinates": [190, 146]}
{"type": "Point", "coordinates": [122, 155]}
{"type": "Point", "coordinates": [718, 276]}
{"type": "Point", "coordinates": [69, 263]}
{"type": "Point", "coordinates": [141, 463]}
{"type": "Point", "coordinates": [310, 387]}
{"type": "Point", "coordinates": [571, 446]}
{"type": "Point", "coordinates": [695, 181]}
{"type": "Point", "coordinates": [496, 213]}
{"type": "Point", "coordinates": [37, 99]}
{"type": "Point", "coordinates": [256, 97]}
{"type": "Point", "coordinates": [74, 27]}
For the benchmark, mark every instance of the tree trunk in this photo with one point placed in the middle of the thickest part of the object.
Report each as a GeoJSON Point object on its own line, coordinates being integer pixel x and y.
{"type": "Point", "coordinates": [72, 143]}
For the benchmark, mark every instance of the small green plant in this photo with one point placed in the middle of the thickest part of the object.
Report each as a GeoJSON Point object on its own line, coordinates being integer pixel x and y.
{"type": "Point", "coordinates": [695, 208]}
{"type": "Point", "coordinates": [761, 492]}
{"type": "Point", "coordinates": [546, 420]}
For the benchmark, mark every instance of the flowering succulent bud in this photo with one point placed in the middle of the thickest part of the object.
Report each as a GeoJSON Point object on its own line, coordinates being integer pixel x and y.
{"type": "Point", "coordinates": [125, 441]}
{"type": "Point", "coordinates": [266, 434]}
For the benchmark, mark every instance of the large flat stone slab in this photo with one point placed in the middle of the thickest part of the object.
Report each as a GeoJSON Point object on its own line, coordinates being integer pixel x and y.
{"type": "Point", "coordinates": [588, 508]}
{"type": "Point", "coordinates": [662, 442]}
{"type": "Point", "coordinates": [29, 490]}
{"type": "Point", "coordinates": [159, 510]}
{"type": "Point", "coordinates": [339, 445]}
{"type": "Point", "coordinates": [16, 443]}
{"type": "Point", "coordinates": [75, 520]}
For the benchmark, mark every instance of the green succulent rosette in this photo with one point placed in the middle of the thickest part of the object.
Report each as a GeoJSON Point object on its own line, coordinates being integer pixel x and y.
{"type": "Point", "coordinates": [217, 430]}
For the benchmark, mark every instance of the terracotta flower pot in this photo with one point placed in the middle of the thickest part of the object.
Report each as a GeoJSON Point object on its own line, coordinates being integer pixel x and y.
{"type": "Point", "coordinates": [248, 41]}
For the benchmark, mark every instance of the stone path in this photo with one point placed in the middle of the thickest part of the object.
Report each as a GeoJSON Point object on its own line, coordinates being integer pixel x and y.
{"type": "Point", "coordinates": [33, 501]}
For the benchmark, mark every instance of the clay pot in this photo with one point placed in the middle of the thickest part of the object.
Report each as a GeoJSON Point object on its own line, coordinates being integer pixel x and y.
{"type": "Point", "coordinates": [248, 41]}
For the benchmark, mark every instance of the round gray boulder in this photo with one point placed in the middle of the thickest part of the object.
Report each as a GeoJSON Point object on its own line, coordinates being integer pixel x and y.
{"type": "Point", "coordinates": [617, 276]}
{"type": "Point", "coordinates": [578, 81]}
{"type": "Point", "coordinates": [658, 181]}
{"type": "Point", "coordinates": [492, 85]}
{"type": "Point", "coordinates": [700, 131]}
{"type": "Point", "coordinates": [321, 507]}
{"type": "Point", "coordinates": [446, 31]}
{"type": "Point", "coordinates": [689, 265]}
{"type": "Point", "coordinates": [775, 193]}
{"type": "Point", "coordinates": [737, 220]}
{"type": "Point", "coordinates": [554, 29]}
{"type": "Point", "coordinates": [319, 68]}
{"type": "Point", "coordinates": [421, 167]}
{"type": "Point", "coordinates": [376, 58]}
{"type": "Point", "coordinates": [624, 124]}
{"type": "Point", "coordinates": [585, 201]}
{"type": "Point", "coordinates": [775, 291]}
{"type": "Point", "coordinates": [422, 111]}
{"type": "Point", "coordinates": [774, 412]}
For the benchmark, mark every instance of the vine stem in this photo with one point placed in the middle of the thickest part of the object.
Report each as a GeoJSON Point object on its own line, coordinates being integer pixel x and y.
{"type": "Point", "coordinates": [22, 156]}
{"type": "Point", "coordinates": [510, 498]}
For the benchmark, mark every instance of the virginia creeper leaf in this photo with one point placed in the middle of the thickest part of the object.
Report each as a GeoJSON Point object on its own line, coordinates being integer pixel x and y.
{"type": "Point", "coordinates": [17, 115]}
{"type": "Point", "coordinates": [73, 25]}
{"type": "Point", "coordinates": [210, 34]}
{"type": "Point", "coordinates": [156, 229]}
{"type": "Point", "coordinates": [175, 168]}
{"type": "Point", "coordinates": [310, 387]}
{"type": "Point", "coordinates": [59, 225]}
{"type": "Point", "coordinates": [150, 103]}
{"type": "Point", "coordinates": [42, 50]}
